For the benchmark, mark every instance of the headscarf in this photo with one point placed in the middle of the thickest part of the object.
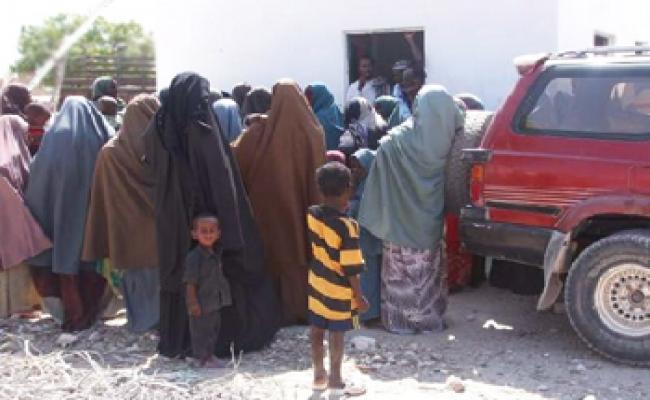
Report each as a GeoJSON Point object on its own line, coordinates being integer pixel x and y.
{"type": "Point", "coordinates": [365, 157]}
{"type": "Point", "coordinates": [403, 200]}
{"type": "Point", "coordinates": [61, 178]}
{"type": "Point", "coordinates": [20, 236]}
{"type": "Point", "coordinates": [185, 107]}
{"type": "Point", "coordinates": [15, 98]}
{"type": "Point", "coordinates": [328, 113]}
{"type": "Point", "coordinates": [239, 93]}
{"type": "Point", "coordinates": [103, 86]}
{"type": "Point", "coordinates": [227, 113]}
{"type": "Point", "coordinates": [120, 202]}
{"type": "Point", "coordinates": [194, 172]}
{"type": "Point", "coordinates": [336, 155]}
{"type": "Point", "coordinates": [257, 101]}
{"type": "Point", "coordinates": [363, 122]}
{"type": "Point", "coordinates": [278, 156]}
{"type": "Point", "coordinates": [388, 108]}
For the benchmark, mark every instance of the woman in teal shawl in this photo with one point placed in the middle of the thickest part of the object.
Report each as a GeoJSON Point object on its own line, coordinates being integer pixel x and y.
{"type": "Point", "coordinates": [327, 112]}
{"type": "Point", "coordinates": [388, 108]}
{"type": "Point", "coordinates": [371, 247]}
{"type": "Point", "coordinates": [403, 204]}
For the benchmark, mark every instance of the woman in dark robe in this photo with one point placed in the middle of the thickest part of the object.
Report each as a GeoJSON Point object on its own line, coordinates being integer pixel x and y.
{"type": "Point", "coordinates": [57, 195]}
{"type": "Point", "coordinates": [278, 156]}
{"type": "Point", "coordinates": [194, 172]}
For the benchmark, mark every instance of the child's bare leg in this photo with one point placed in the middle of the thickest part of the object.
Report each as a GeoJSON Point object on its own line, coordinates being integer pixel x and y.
{"type": "Point", "coordinates": [317, 355]}
{"type": "Point", "coordinates": [336, 359]}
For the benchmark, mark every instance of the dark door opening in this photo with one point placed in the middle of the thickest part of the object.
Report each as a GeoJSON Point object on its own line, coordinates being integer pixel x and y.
{"type": "Point", "coordinates": [384, 48]}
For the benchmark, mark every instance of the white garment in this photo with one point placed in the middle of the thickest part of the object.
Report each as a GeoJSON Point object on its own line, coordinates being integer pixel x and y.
{"type": "Point", "coordinates": [370, 91]}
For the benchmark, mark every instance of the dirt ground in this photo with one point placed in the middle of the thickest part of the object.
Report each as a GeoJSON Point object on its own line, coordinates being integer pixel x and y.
{"type": "Point", "coordinates": [497, 347]}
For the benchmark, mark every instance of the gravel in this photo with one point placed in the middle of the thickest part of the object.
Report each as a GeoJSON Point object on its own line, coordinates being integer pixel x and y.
{"type": "Point", "coordinates": [505, 351]}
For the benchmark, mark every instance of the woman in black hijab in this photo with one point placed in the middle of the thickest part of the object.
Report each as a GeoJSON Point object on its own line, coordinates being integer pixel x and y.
{"type": "Point", "coordinates": [195, 173]}
{"type": "Point", "coordinates": [257, 101]}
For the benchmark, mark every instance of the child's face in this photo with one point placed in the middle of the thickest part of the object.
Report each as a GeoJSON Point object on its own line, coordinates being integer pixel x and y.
{"type": "Point", "coordinates": [206, 232]}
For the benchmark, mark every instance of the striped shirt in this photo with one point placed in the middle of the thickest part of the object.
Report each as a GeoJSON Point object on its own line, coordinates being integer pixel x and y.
{"type": "Point", "coordinates": [334, 241]}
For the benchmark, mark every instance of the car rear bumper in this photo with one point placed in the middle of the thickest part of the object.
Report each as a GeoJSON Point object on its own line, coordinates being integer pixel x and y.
{"type": "Point", "coordinates": [520, 243]}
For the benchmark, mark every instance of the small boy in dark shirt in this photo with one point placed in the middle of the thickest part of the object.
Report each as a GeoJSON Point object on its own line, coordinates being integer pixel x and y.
{"type": "Point", "coordinates": [207, 289]}
{"type": "Point", "coordinates": [335, 296]}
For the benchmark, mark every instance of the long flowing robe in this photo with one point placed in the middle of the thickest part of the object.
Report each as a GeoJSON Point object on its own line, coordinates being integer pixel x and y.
{"type": "Point", "coordinates": [278, 156]}
{"type": "Point", "coordinates": [120, 225]}
{"type": "Point", "coordinates": [327, 112]}
{"type": "Point", "coordinates": [194, 172]}
{"type": "Point", "coordinates": [58, 194]}
{"type": "Point", "coordinates": [371, 247]}
{"type": "Point", "coordinates": [20, 236]}
{"type": "Point", "coordinates": [61, 175]}
{"type": "Point", "coordinates": [403, 205]}
{"type": "Point", "coordinates": [404, 195]}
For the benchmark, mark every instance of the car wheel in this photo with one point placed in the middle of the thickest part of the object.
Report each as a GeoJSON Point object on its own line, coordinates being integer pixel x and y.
{"type": "Point", "coordinates": [457, 173]}
{"type": "Point", "coordinates": [607, 296]}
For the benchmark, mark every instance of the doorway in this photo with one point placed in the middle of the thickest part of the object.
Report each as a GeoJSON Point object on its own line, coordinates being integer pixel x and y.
{"type": "Point", "coordinates": [384, 47]}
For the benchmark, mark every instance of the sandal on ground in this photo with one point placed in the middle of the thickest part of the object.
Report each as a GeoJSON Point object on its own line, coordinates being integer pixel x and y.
{"type": "Point", "coordinates": [350, 390]}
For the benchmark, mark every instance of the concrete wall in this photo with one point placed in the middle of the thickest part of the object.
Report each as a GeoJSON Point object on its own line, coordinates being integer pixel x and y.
{"type": "Point", "coordinates": [469, 45]}
{"type": "Point", "coordinates": [627, 20]}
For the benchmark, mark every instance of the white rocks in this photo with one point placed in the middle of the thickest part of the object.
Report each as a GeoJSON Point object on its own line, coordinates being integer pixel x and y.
{"type": "Point", "coordinates": [589, 397]}
{"type": "Point", "coordinates": [542, 388]}
{"type": "Point", "coordinates": [364, 343]}
{"type": "Point", "coordinates": [66, 339]}
{"type": "Point", "coordinates": [455, 384]}
{"type": "Point", "coordinates": [578, 368]}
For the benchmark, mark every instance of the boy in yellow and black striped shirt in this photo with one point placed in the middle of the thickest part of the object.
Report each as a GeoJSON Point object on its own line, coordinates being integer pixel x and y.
{"type": "Point", "coordinates": [334, 289]}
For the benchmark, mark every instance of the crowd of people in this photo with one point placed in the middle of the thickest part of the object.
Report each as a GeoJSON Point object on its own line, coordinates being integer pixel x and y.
{"type": "Point", "coordinates": [196, 207]}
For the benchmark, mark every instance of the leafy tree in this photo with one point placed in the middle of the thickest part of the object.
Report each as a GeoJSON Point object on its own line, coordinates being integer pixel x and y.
{"type": "Point", "coordinates": [37, 42]}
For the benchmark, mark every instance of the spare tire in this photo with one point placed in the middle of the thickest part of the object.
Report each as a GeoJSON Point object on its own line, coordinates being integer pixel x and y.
{"type": "Point", "coordinates": [457, 174]}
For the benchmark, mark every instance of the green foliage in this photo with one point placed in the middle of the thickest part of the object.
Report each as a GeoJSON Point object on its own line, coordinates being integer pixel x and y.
{"type": "Point", "coordinates": [37, 42]}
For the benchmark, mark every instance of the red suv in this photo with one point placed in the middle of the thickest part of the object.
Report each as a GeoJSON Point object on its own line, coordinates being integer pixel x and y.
{"type": "Point", "coordinates": [561, 180]}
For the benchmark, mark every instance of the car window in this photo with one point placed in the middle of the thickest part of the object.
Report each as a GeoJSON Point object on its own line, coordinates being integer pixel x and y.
{"type": "Point", "coordinates": [591, 105]}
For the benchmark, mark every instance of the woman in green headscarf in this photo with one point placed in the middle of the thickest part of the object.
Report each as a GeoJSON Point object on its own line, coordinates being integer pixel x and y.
{"type": "Point", "coordinates": [403, 205]}
{"type": "Point", "coordinates": [106, 86]}
{"type": "Point", "coordinates": [388, 108]}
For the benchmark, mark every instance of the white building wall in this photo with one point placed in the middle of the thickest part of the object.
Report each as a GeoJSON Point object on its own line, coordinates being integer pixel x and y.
{"type": "Point", "coordinates": [627, 20]}
{"type": "Point", "coordinates": [469, 44]}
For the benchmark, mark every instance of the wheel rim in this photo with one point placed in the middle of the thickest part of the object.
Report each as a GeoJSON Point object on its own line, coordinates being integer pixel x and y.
{"type": "Point", "coordinates": [622, 299]}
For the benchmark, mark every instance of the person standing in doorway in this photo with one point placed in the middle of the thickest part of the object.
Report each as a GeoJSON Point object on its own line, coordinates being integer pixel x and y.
{"type": "Point", "coordinates": [366, 86]}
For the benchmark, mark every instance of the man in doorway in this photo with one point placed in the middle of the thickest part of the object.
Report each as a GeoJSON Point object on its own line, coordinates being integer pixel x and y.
{"type": "Point", "coordinates": [413, 79]}
{"type": "Point", "coordinates": [366, 86]}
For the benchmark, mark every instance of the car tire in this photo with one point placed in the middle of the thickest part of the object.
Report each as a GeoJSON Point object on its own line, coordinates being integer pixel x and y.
{"type": "Point", "coordinates": [457, 173]}
{"type": "Point", "coordinates": [605, 300]}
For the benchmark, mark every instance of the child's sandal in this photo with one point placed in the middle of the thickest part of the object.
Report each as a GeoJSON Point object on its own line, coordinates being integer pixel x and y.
{"type": "Point", "coordinates": [350, 390]}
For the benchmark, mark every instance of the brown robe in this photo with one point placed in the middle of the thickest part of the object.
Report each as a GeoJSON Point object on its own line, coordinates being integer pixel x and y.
{"type": "Point", "coordinates": [278, 156]}
{"type": "Point", "coordinates": [120, 223]}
